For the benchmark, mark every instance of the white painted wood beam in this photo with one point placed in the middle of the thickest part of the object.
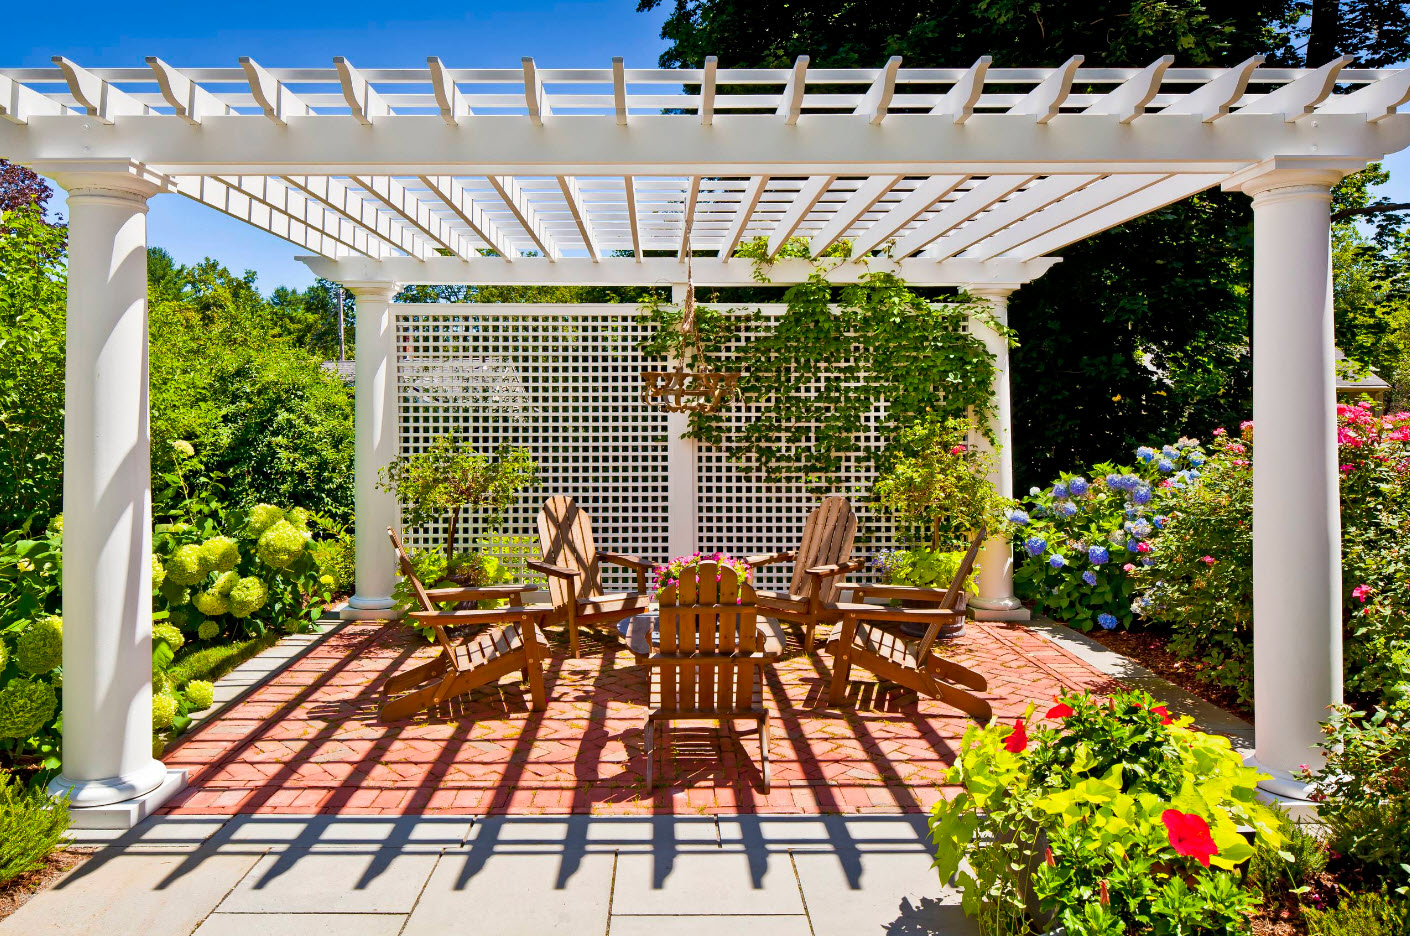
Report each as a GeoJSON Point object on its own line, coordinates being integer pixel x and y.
{"type": "Point", "coordinates": [692, 192]}
{"type": "Point", "coordinates": [1028, 202]}
{"type": "Point", "coordinates": [1129, 101]}
{"type": "Point", "coordinates": [959, 211]}
{"type": "Point", "coordinates": [366, 104]}
{"type": "Point", "coordinates": [278, 102]}
{"type": "Point", "coordinates": [1297, 99]}
{"type": "Point", "coordinates": [1213, 99]}
{"type": "Point", "coordinates": [517, 201]}
{"type": "Point", "coordinates": [341, 198]}
{"type": "Point", "coordinates": [18, 103]}
{"type": "Point", "coordinates": [572, 194]}
{"type": "Point", "coordinates": [629, 188]}
{"type": "Point", "coordinates": [1045, 101]}
{"type": "Point", "coordinates": [452, 192]}
{"type": "Point", "coordinates": [797, 211]}
{"type": "Point", "coordinates": [619, 90]}
{"type": "Point", "coordinates": [229, 200]}
{"type": "Point", "coordinates": [191, 102]}
{"type": "Point", "coordinates": [915, 204]}
{"type": "Point", "coordinates": [1119, 212]}
{"type": "Point", "coordinates": [871, 191]}
{"type": "Point", "coordinates": [449, 99]}
{"type": "Point", "coordinates": [790, 103]}
{"type": "Point", "coordinates": [707, 91]}
{"type": "Point", "coordinates": [959, 101]}
{"type": "Point", "coordinates": [1377, 100]}
{"type": "Point", "coordinates": [877, 100]}
{"type": "Point", "coordinates": [534, 97]}
{"type": "Point", "coordinates": [1092, 198]}
{"type": "Point", "coordinates": [98, 97]}
{"type": "Point", "coordinates": [414, 212]}
{"type": "Point", "coordinates": [748, 201]}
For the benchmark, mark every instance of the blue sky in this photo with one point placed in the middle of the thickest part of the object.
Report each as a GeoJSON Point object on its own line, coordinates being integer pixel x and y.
{"type": "Point", "coordinates": [566, 33]}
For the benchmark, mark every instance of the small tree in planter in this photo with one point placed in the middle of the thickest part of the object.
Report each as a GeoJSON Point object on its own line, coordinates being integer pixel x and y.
{"type": "Point", "coordinates": [449, 477]}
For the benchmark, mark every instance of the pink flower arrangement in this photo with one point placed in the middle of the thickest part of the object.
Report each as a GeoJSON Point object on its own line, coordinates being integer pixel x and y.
{"type": "Point", "coordinates": [1360, 592]}
{"type": "Point", "coordinates": [1209, 560]}
{"type": "Point", "coordinates": [957, 450]}
{"type": "Point", "coordinates": [669, 575]}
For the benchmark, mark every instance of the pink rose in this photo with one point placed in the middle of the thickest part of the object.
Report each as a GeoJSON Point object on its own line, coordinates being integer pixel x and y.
{"type": "Point", "coordinates": [1208, 560]}
{"type": "Point", "coordinates": [1143, 547]}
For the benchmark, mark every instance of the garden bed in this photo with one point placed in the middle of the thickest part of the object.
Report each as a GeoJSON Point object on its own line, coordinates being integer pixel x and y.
{"type": "Point", "coordinates": [17, 891]}
{"type": "Point", "coordinates": [1148, 648]}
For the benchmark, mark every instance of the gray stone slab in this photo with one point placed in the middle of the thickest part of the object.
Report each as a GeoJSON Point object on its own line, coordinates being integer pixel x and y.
{"type": "Point", "coordinates": [706, 883]}
{"type": "Point", "coordinates": [171, 832]}
{"type": "Point", "coordinates": [302, 924]}
{"type": "Point", "coordinates": [710, 925]}
{"type": "Point", "coordinates": [598, 833]}
{"type": "Point", "coordinates": [155, 894]}
{"type": "Point", "coordinates": [878, 893]}
{"type": "Point", "coordinates": [349, 881]}
{"type": "Point", "coordinates": [840, 833]}
{"type": "Point", "coordinates": [414, 833]}
{"type": "Point", "coordinates": [512, 893]}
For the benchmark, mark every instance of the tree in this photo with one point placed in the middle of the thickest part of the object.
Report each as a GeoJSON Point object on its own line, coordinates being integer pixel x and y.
{"type": "Point", "coordinates": [1377, 32]}
{"type": "Point", "coordinates": [22, 188]}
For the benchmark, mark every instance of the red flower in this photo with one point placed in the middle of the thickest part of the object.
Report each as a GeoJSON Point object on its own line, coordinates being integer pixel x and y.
{"type": "Point", "coordinates": [1189, 835]}
{"type": "Point", "coordinates": [1061, 710]}
{"type": "Point", "coordinates": [1017, 740]}
{"type": "Point", "coordinates": [1164, 714]}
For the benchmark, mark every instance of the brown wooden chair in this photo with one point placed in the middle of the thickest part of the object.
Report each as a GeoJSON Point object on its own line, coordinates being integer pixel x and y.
{"type": "Point", "coordinates": [709, 663]}
{"type": "Point", "coordinates": [573, 564]}
{"type": "Point", "coordinates": [819, 562]}
{"type": "Point", "coordinates": [868, 636]}
{"type": "Point", "coordinates": [514, 644]}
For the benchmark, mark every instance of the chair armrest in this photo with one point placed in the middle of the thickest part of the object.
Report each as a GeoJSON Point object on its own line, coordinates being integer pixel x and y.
{"type": "Point", "coordinates": [908, 592]}
{"type": "Point", "coordinates": [630, 562]}
{"type": "Point", "coordinates": [480, 615]}
{"type": "Point", "coordinates": [841, 568]}
{"type": "Point", "coordinates": [873, 612]}
{"type": "Point", "coordinates": [477, 593]}
{"type": "Point", "coordinates": [553, 570]}
{"type": "Point", "coordinates": [756, 561]}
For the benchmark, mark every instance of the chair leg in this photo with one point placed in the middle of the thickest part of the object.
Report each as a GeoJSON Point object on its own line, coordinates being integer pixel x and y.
{"type": "Point", "coordinates": [408, 705]}
{"type": "Point", "coordinates": [573, 651]}
{"type": "Point", "coordinates": [650, 756]}
{"type": "Point", "coordinates": [841, 670]}
{"type": "Point", "coordinates": [534, 673]}
{"type": "Point", "coordinates": [764, 751]}
{"type": "Point", "coordinates": [809, 636]}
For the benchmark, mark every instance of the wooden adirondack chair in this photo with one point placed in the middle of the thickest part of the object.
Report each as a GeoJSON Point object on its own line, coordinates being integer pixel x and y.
{"type": "Point", "coordinates": [573, 564]}
{"type": "Point", "coordinates": [819, 562]}
{"type": "Point", "coordinates": [515, 644]}
{"type": "Point", "coordinates": [709, 664]}
{"type": "Point", "coordinates": [867, 636]}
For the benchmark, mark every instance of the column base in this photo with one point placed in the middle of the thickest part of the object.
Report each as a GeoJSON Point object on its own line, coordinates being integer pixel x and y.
{"type": "Point", "coordinates": [1280, 783]}
{"type": "Point", "coordinates": [1007, 608]}
{"type": "Point", "coordinates": [124, 815]}
{"type": "Point", "coordinates": [358, 608]}
{"type": "Point", "coordinates": [104, 792]}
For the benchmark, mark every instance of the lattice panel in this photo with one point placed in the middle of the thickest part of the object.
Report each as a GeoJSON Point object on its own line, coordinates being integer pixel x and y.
{"type": "Point", "coordinates": [563, 381]}
{"type": "Point", "coordinates": [737, 513]}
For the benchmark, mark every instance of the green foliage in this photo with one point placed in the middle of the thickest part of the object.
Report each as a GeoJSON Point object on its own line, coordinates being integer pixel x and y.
{"type": "Point", "coordinates": [1365, 914]}
{"type": "Point", "coordinates": [200, 694]}
{"type": "Point", "coordinates": [1363, 791]}
{"type": "Point", "coordinates": [698, 343]}
{"type": "Point", "coordinates": [934, 479]}
{"type": "Point", "coordinates": [209, 663]}
{"type": "Point", "coordinates": [32, 825]}
{"type": "Point", "coordinates": [26, 707]}
{"type": "Point", "coordinates": [449, 477]}
{"type": "Point", "coordinates": [921, 568]}
{"type": "Point", "coordinates": [1121, 808]}
{"type": "Point", "coordinates": [1292, 866]}
{"type": "Point", "coordinates": [40, 646]}
{"type": "Point", "coordinates": [464, 569]}
{"type": "Point", "coordinates": [337, 559]}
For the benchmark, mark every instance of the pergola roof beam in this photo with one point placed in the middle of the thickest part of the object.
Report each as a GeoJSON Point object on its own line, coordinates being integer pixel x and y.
{"type": "Point", "coordinates": [966, 206]}
{"type": "Point", "coordinates": [341, 198]}
{"type": "Point", "coordinates": [312, 233]}
{"type": "Point", "coordinates": [619, 90]}
{"type": "Point", "coordinates": [629, 190]}
{"type": "Point", "coordinates": [1077, 205]}
{"type": "Point", "coordinates": [1129, 101]}
{"type": "Point", "coordinates": [748, 201]}
{"type": "Point", "coordinates": [871, 191]}
{"type": "Point", "coordinates": [959, 101]}
{"type": "Point", "coordinates": [1296, 99]}
{"type": "Point", "coordinates": [414, 212]}
{"type": "Point", "coordinates": [790, 103]}
{"type": "Point", "coordinates": [517, 202]}
{"type": "Point", "coordinates": [877, 100]}
{"type": "Point", "coordinates": [277, 101]}
{"type": "Point", "coordinates": [366, 105]}
{"type": "Point", "coordinates": [191, 102]}
{"type": "Point", "coordinates": [453, 194]}
{"type": "Point", "coordinates": [1025, 203]}
{"type": "Point", "coordinates": [1377, 100]}
{"type": "Point", "coordinates": [707, 91]}
{"type": "Point", "coordinates": [18, 102]}
{"type": "Point", "coordinates": [798, 209]}
{"type": "Point", "coordinates": [1045, 101]}
{"type": "Point", "coordinates": [1213, 100]}
{"type": "Point", "coordinates": [572, 194]}
{"type": "Point", "coordinates": [97, 96]}
{"type": "Point", "coordinates": [692, 192]}
{"type": "Point", "coordinates": [534, 97]}
{"type": "Point", "coordinates": [915, 204]}
{"type": "Point", "coordinates": [449, 100]}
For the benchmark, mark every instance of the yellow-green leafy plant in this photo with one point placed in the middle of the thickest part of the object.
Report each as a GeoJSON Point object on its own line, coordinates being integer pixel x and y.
{"type": "Point", "coordinates": [247, 597]}
{"type": "Point", "coordinates": [164, 706]}
{"type": "Point", "coordinates": [186, 566]}
{"type": "Point", "coordinates": [158, 573]}
{"type": "Point", "coordinates": [200, 694]}
{"type": "Point", "coordinates": [281, 545]}
{"type": "Point", "coordinates": [26, 706]}
{"type": "Point", "coordinates": [1104, 818]}
{"type": "Point", "coordinates": [32, 824]}
{"type": "Point", "coordinates": [220, 554]}
{"type": "Point", "coordinates": [261, 518]}
{"type": "Point", "coordinates": [211, 603]}
{"type": "Point", "coordinates": [40, 646]}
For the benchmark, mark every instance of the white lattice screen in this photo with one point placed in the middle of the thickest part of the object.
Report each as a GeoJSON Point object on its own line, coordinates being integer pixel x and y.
{"type": "Point", "coordinates": [564, 381]}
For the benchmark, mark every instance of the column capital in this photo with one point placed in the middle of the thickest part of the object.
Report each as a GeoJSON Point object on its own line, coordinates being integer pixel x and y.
{"type": "Point", "coordinates": [122, 179]}
{"type": "Point", "coordinates": [992, 290]}
{"type": "Point", "coordinates": [372, 289]}
{"type": "Point", "coordinates": [1280, 172]}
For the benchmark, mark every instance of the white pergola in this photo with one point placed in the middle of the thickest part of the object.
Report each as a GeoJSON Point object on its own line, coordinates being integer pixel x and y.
{"type": "Point", "coordinates": [972, 177]}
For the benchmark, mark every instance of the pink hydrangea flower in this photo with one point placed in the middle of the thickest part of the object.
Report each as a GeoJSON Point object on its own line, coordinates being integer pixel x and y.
{"type": "Point", "coordinates": [1209, 560]}
{"type": "Point", "coordinates": [1129, 567]}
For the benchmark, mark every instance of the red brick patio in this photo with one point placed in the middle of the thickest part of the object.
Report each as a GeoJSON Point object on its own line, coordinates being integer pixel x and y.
{"type": "Point", "coordinates": [309, 740]}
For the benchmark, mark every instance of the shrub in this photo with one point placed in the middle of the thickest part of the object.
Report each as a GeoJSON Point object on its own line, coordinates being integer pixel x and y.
{"type": "Point", "coordinates": [40, 647]}
{"type": "Point", "coordinates": [26, 707]}
{"type": "Point", "coordinates": [164, 706]}
{"type": "Point", "coordinates": [1367, 914]}
{"type": "Point", "coordinates": [281, 545]}
{"type": "Point", "coordinates": [1292, 866]}
{"type": "Point", "coordinates": [337, 558]}
{"type": "Point", "coordinates": [1363, 791]}
{"type": "Point", "coordinates": [186, 566]}
{"type": "Point", "coordinates": [211, 603]}
{"type": "Point", "coordinates": [247, 597]}
{"type": "Point", "coordinates": [1120, 820]}
{"type": "Point", "coordinates": [922, 568]}
{"type": "Point", "coordinates": [1079, 541]}
{"type": "Point", "coordinates": [32, 824]}
{"type": "Point", "coordinates": [220, 554]}
{"type": "Point", "coordinates": [200, 694]}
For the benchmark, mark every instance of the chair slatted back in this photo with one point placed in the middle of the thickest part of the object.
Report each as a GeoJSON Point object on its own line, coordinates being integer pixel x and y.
{"type": "Point", "coordinates": [565, 539]}
{"type": "Point", "coordinates": [709, 618]}
{"type": "Point", "coordinates": [409, 571]}
{"type": "Point", "coordinates": [952, 594]}
{"type": "Point", "coordinates": [827, 540]}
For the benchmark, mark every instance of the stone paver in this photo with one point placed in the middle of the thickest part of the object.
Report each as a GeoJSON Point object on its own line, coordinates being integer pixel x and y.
{"type": "Point", "coordinates": [356, 881]}
{"type": "Point", "coordinates": [308, 741]}
{"type": "Point", "coordinates": [710, 926]}
{"type": "Point", "coordinates": [880, 892]}
{"type": "Point", "coordinates": [703, 883]}
{"type": "Point", "coordinates": [302, 924]}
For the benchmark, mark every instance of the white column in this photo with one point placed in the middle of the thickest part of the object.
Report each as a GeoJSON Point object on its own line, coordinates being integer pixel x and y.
{"type": "Point", "coordinates": [1296, 506]}
{"type": "Point", "coordinates": [996, 600]}
{"type": "Point", "coordinates": [375, 445]}
{"type": "Point", "coordinates": [682, 493]}
{"type": "Point", "coordinates": [107, 601]}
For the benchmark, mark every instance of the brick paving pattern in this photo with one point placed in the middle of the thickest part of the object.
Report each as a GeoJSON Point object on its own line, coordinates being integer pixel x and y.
{"type": "Point", "coordinates": [309, 740]}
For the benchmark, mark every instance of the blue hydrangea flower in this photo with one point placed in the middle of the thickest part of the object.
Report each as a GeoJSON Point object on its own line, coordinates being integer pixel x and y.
{"type": "Point", "coordinates": [1160, 522]}
{"type": "Point", "coordinates": [1196, 459]}
{"type": "Point", "coordinates": [1194, 474]}
{"type": "Point", "coordinates": [1067, 509]}
{"type": "Point", "coordinates": [1059, 491]}
{"type": "Point", "coordinates": [1089, 577]}
{"type": "Point", "coordinates": [1147, 560]}
{"type": "Point", "coordinates": [1169, 451]}
{"type": "Point", "coordinates": [1146, 454]}
{"type": "Point", "coordinates": [1141, 528]}
{"type": "Point", "coordinates": [1116, 538]}
{"type": "Point", "coordinates": [1057, 561]}
{"type": "Point", "coordinates": [1113, 481]}
{"type": "Point", "coordinates": [1166, 466]}
{"type": "Point", "coordinates": [1077, 487]}
{"type": "Point", "coordinates": [1132, 544]}
{"type": "Point", "coordinates": [1018, 517]}
{"type": "Point", "coordinates": [1035, 545]}
{"type": "Point", "coordinates": [1131, 513]}
{"type": "Point", "coordinates": [1097, 555]}
{"type": "Point", "coordinates": [1034, 491]}
{"type": "Point", "coordinates": [1107, 621]}
{"type": "Point", "coordinates": [1141, 496]}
